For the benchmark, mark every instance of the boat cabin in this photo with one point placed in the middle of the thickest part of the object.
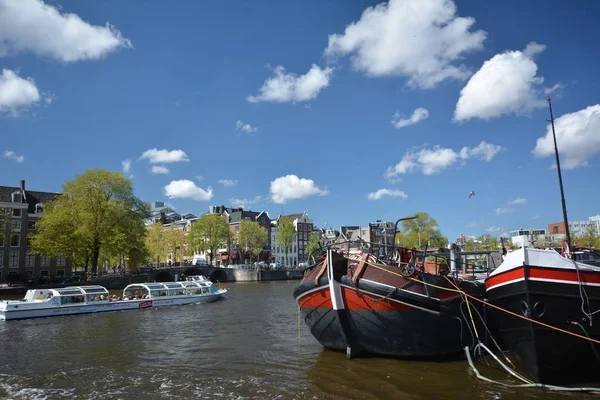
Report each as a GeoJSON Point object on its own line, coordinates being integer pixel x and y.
{"type": "Point", "coordinates": [167, 289]}
{"type": "Point", "coordinates": [68, 295]}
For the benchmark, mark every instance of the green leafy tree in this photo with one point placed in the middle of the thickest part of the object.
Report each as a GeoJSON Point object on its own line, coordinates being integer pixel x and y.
{"type": "Point", "coordinates": [175, 242]}
{"type": "Point", "coordinates": [285, 235]}
{"type": "Point", "coordinates": [314, 245]}
{"type": "Point", "coordinates": [155, 242]}
{"type": "Point", "coordinates": [208, 233]}
{"type": "Point", "coordinates": [420, 231]}
{"type": "Point", "coordinates": [589, 238]}
{"type": "Point", "coordinates": [251, 237]}
{"type": "Point", "coordinates": [83, 220]}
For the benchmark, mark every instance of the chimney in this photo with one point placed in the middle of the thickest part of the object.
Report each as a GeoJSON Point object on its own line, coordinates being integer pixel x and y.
{"type": "Point", "coordinates": [22, 184]}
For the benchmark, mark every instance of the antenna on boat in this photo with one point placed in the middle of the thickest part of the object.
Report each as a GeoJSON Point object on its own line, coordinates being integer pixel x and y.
{"type": "Point", "coordinates": [562, 192]}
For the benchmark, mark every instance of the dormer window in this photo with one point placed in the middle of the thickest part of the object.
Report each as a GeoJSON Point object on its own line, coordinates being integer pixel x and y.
{"type": "Point", "coordinates": [17, 197]}
{"type": "Point", "coordinates": [39, 208]}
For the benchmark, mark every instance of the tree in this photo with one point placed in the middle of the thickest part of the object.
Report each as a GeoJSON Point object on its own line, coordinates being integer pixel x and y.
{"type": "Point", "coordinates": [155, 242]}
{"type": "Point", "coordinates": [420, 231]}
{"type": "Point", "coordinates": [208, 233]}
{"type": "Point", "coordinates": [175, 241]}
{"type": "Point", "coordinates": [589, 238]}
{"type": "Point", "coordinates": [251, 237]}
{"type": "Point", "coordinates": [314, 245]}
{"type": "Point", "coordinates": [82, 222]}
{"type": "Point", "coordinates": [285, 235]}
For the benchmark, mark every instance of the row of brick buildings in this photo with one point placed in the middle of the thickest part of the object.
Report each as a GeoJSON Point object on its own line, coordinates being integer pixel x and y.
{"type": "Point", "coordinates": [19, 210]}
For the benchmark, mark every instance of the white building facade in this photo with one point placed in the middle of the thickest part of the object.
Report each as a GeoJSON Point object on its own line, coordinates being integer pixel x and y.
{"type": "Point", "coordinates": [297, 254]}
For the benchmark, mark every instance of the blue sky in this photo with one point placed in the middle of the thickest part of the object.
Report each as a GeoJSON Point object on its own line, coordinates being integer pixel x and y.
{"type": "Point", "coordinates": [324, 93]}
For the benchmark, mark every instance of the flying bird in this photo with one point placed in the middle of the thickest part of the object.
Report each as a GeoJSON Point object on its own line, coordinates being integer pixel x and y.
{"type": "Point", "coordinates": [472, 193]}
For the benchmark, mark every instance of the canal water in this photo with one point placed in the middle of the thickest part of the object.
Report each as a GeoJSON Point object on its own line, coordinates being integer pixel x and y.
{"type": "Point", "coordinates": [248, 346]}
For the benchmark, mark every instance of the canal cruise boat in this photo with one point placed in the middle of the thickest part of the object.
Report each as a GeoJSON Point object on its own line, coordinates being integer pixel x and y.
{"type": "Point", "coordinates": [93, 299]}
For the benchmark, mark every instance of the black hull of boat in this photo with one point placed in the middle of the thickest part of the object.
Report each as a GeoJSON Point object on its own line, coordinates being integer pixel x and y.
{"type": "Point", "coordinates": [401, 324]}
{"type": "Point", "coordinates": [548, 355]}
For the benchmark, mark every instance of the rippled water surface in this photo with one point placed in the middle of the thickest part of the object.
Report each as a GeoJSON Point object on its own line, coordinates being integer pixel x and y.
{"type": "Point", "coordinates": [247, 346]}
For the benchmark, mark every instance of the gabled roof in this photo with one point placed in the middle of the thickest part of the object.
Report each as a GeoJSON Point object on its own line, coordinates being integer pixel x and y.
{"type": "Point", "coordinates": [31, 197]}
{"type": "Point", "coordinates": [238, 216]}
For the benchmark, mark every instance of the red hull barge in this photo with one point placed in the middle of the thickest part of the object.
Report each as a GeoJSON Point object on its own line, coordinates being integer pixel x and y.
{"type": "Point", "coordinates": [356, 304]}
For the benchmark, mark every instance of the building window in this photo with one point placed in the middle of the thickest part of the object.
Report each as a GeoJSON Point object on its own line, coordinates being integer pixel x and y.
{"type": "Point", "coordinates": [28, 240]}
{"type": "Point", "coordinates": [29, 259]}
{"type": "Point", "coordinates": [29, 274]}
{"type": "Point", "coordinates": [45, 261]}
{"type": "Point", "coordinates": [61, 261]}
{"type": "Point", "coordinates": [1, 242]}
{"type": "Point", "coordinates": [30, 225]}
{"type": "Point", "coordinates": [15, 226]}
{"type": "Point", "coordinates": [1, 259]}
{"type": "Point", "coordinates": [14, 240]}
{"type": "Point", "coordinates": [16, 212]}
{"type": "Point", "coordinates": [47, 273]}
{"type": "Point", "coordinates": [13, 261]}
{"type": "Point", "coordinates": [39, 208]}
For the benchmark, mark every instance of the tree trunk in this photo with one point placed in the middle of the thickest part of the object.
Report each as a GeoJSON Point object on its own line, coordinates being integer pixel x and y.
{"type": "Point", "coordinates": [95, 256]}
{"type": "Point", "coordinates": [87, 263]}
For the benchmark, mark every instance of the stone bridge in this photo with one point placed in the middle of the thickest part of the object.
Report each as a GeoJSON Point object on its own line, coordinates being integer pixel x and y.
{"type": "Point", "coordinates": [222, 274]}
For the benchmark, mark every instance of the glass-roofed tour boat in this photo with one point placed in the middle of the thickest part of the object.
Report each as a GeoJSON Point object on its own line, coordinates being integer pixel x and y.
{"type": "Point", "coordinates": [94, 299]}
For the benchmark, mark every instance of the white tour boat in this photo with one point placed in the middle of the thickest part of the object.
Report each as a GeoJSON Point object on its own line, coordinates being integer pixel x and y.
{"type": "Point", "coordinates": [93, 299]}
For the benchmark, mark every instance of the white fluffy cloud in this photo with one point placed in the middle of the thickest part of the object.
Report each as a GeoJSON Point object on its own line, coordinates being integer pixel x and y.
{"type": "Point", "coordinates": [419, 39]}
{"type": "Point", "coordinates": [506, 84]}
{"type": "Point", "coordinates": [164, 156]}
{"type": "Point", "coordinates": [577, 138]}
{"type": "Point", "coordinates": [228, 182]}
{"type": "Point", "coordinates": [504, 210]}
{"type": "Point", "coordinates": [290, 187]}
{"type": "Point", "coordinates": [518, 200]}
{"type": "Point", "coordinates": [417, 116]}
{"type": "Point", "coordinates": [288, 87]}
{"type": "Point", "coordinates": [432, 161]}
{"type": "Point", "coordinates": [33, 26]}
{"type": "Point", "coordinates": [494, 228]}
{"type": "Point", "coordinates": [186, 189]}
{"type": "Point", "coordinates": [244, 202]}
{"type": "Point", "coordinates": [535, 217]}
{"type": "Point", "coordinates": [386, 192]}
{"type": "Point", "coordinates": [16, 93]}
{"type": "Point", "coordinates": [243, 127]}
{"type": "Point", "coordinates": [126, 166]}
{"type": "Point", "coordinates": [11, 155]}
{"type": "Point", "coordinates": [159, 170]}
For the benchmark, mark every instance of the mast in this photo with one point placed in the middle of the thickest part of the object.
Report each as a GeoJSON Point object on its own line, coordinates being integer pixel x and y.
{"type": "Point", "coordinates": [562, 192]}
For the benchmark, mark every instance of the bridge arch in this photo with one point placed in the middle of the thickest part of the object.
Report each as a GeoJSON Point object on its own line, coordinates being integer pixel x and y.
{"type": "Point", "coordinates": [218, 275]}
{"type": "Point", "coordinates": [164, 276]}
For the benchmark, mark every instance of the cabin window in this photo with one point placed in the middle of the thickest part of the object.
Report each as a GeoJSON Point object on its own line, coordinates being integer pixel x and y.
{"type": "Point", "coordinates": [13, 261]}
{"type": "Point", "coordinates": [72, 299]}
{"type": "Point", "coordinates": [96, 297]}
